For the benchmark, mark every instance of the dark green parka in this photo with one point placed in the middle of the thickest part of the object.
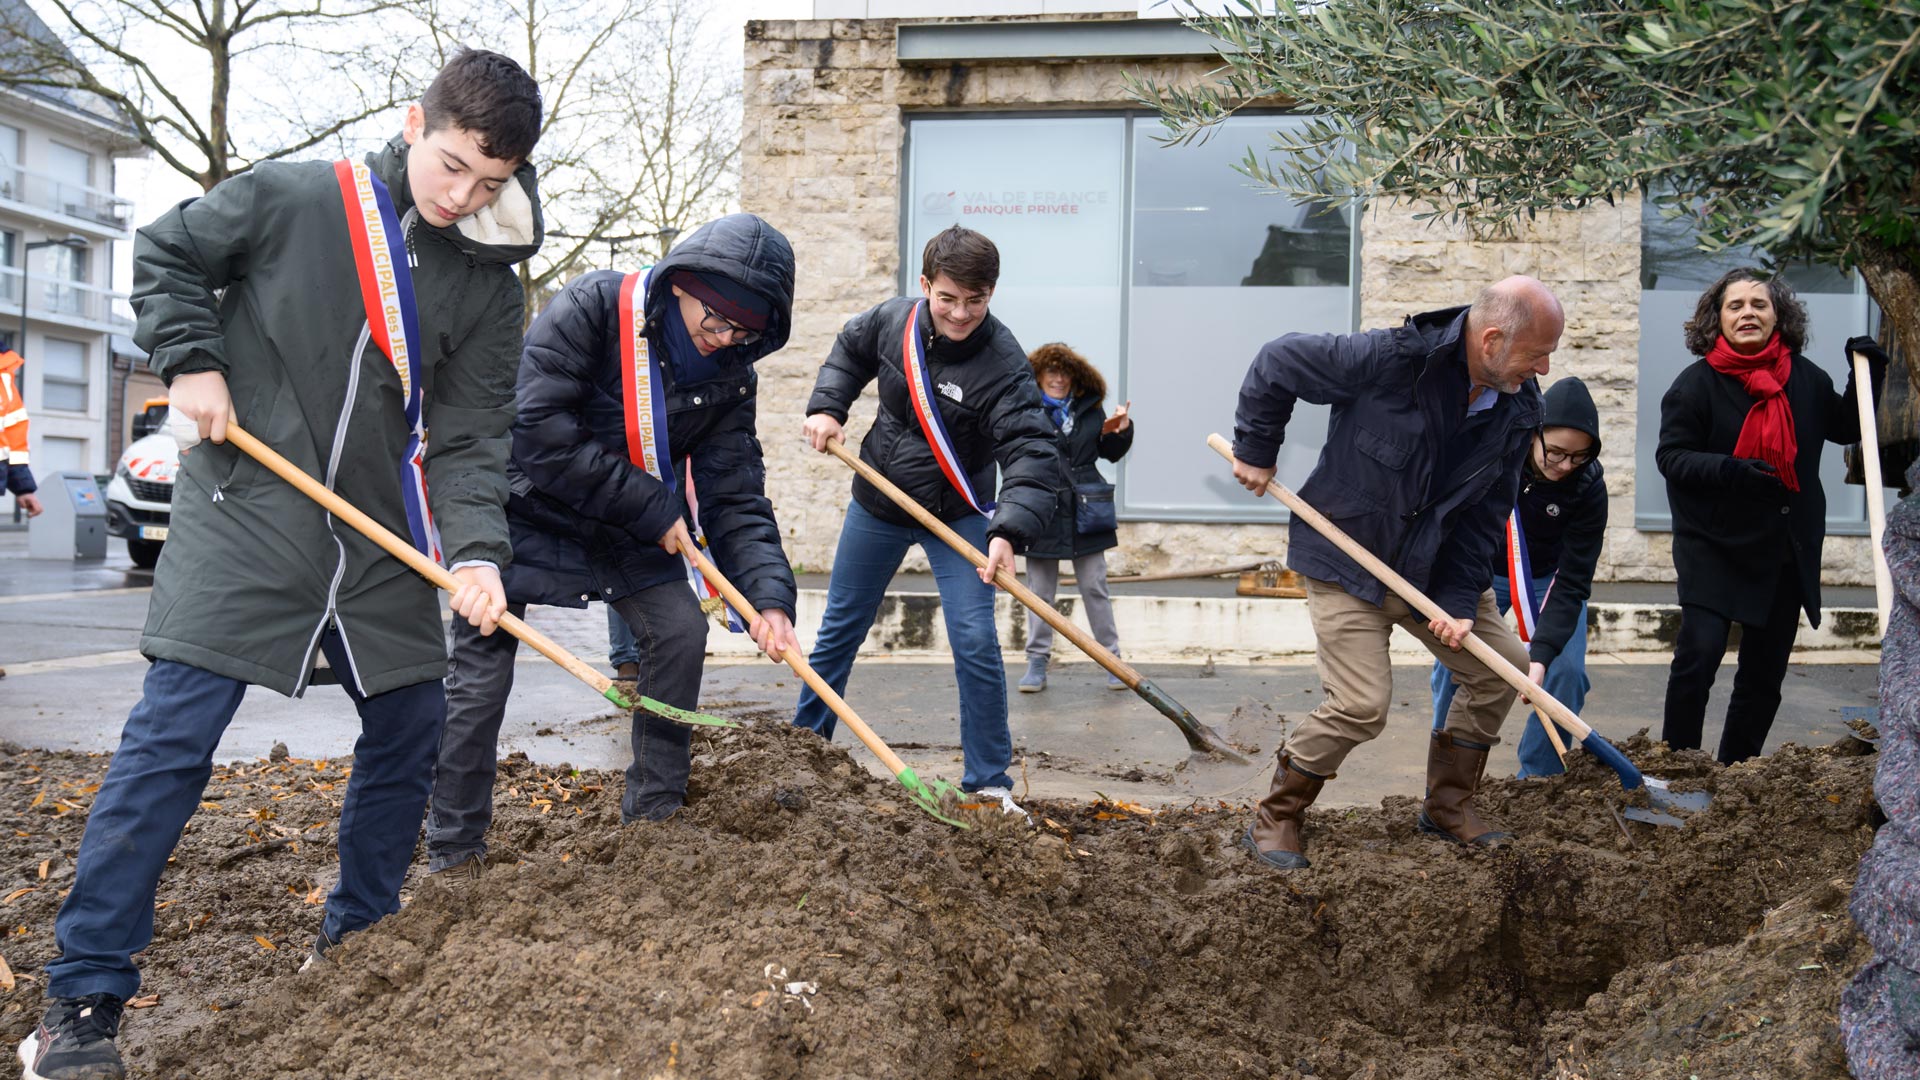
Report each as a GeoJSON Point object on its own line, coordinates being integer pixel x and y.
{"type": "Point", "coordinates": [256, 279]}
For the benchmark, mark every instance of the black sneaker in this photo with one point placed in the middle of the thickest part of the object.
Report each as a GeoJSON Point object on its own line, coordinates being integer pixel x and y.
{"type": "Point", "coordinates": [75, 1041]}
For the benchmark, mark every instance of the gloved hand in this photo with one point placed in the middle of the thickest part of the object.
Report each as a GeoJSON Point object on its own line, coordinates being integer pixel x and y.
{"type": "Point", "coordinates": [1877, 359]}
{"type": "Point", "coordinates": [1751, 476]}
{"type": "Point", "coordinates": [184, 429]}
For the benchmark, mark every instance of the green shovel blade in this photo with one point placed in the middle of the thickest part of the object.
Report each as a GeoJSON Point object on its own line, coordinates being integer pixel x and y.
{"type": "Point", "coordinates": [661, 708]}
{"type": "Point", "coordinates": [928, 798]}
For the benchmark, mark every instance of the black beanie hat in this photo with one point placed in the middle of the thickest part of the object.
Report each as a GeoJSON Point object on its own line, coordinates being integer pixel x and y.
{"type": "Point", "coordinates": [1569, 405]}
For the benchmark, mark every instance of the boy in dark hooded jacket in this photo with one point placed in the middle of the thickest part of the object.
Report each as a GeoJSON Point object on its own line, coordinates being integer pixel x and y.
{"type": "Point", "coordinates": [1562, 519]}
{"type": "Point", "coordinates": [636, 420]}
{"type": "Point", "coordinates": [339, 310]}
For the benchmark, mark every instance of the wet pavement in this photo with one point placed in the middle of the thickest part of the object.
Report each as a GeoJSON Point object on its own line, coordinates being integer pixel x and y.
{"type": "Point", "coordinates": [69, 637]}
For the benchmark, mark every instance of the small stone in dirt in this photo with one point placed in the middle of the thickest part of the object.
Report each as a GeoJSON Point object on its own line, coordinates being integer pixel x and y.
{"type": "Point", "coordinates": [543, 732]}
{"type": "Point", "coordinates": [278, 754]}
{"type": "Point", "coordinates": [789, 799]}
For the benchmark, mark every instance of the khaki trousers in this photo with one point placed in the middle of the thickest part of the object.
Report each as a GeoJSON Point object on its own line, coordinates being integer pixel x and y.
{"type": "Point", "coordinates": [1357, 672]}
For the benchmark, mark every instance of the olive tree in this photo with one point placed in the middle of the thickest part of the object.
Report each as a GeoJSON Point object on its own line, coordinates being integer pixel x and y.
{"type": "Point", "coordinates": [1792, 126]}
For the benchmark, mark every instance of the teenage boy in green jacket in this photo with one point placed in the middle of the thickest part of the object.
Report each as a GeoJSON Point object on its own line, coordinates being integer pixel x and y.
{"type": "Point", "coordinates": [341, 311]}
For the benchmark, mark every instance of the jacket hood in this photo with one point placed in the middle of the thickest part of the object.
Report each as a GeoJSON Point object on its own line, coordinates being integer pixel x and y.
{"type": "Point", "coordinates": [507, 230]}
{"type": "Point", "coordinates": [742, 247]}
{"type": "Point", "coordinates": [1569, 405]}
{"type": "Point", "coordinates": [1055, 356]}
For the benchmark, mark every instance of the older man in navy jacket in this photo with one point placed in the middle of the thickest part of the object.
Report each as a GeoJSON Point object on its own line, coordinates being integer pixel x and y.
{"type": "Point", "coordinates": [1430, 425]}
{"type": "Point", "coordinates": [636, 405]}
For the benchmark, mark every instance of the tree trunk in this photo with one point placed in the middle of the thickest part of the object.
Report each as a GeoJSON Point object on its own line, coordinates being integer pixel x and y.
{"type": "Point", "coordinates": [1894, 283]}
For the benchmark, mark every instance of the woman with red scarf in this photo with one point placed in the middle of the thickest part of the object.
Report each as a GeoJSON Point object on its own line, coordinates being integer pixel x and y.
{"type": "Point", "coordinates": [1741, 432]}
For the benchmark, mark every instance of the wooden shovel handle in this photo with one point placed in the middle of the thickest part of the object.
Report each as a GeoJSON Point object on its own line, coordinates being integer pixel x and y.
{"type": "Point", "coordinates": [404, 551]}
{"type": "Point", "coordinates": [1542, 701]}
{"type": "Point", "coordinates": [1003, 577]}
{"type": "Point", "coordinates": [1876, 493]}
{"type": "Point", "coordinates": [738, 601]}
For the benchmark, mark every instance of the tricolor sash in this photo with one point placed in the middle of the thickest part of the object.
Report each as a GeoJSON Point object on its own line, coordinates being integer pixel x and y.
{"type": "Point", "coordinates": [386, 291]}
{"type": "Point", "coordinates": [913, 356]}
{"type": "Point", "coordinates": [646, 409]}
{"type": "Point", "coordinates": [1526, 607]}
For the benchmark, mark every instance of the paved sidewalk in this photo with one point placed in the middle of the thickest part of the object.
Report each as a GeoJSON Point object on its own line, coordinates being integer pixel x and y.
{"type": "Point", "coordinates": [69, 637]}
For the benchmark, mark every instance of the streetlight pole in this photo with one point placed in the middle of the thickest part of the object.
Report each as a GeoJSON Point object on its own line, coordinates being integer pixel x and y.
{"type": "Point", "coordinates": [72, 243]}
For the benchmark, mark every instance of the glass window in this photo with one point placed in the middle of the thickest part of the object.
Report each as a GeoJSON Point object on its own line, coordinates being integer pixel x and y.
{"type": "Point", "coordinates": [1049, 193]}
{"type": "Point", "coordinates": [69, 166]}
{"type": "Point", "coordinates": [1673, 274]}
{"type": "Point", "coordinates": [58, 454]}
{"type": "Point", "coordinates": [63, 375]}
{"type": "Point", "coordinates": [1219, 268]}
{"type": "Point", "coordinates": [1161, 265]}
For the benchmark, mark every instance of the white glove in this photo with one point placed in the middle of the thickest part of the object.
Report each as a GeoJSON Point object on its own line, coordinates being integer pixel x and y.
{"type": "Point", "coordinates": [184, 429]}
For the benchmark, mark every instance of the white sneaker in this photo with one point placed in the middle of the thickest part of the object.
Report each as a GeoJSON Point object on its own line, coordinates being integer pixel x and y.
{"type": "Point", "coordinates": [1003, 796]}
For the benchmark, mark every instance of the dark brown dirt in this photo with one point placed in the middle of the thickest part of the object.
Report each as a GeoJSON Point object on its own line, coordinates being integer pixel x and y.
{"type": "Point", "coordinates": [801, 919]}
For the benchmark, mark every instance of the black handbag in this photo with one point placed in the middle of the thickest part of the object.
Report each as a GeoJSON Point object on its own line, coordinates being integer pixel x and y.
{"type": "Point", "coordinates": [1093, 509]}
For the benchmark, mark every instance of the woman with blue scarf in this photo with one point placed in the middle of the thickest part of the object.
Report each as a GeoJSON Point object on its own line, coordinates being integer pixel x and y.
{"type": "Point", "coordinates": [1084, 526]}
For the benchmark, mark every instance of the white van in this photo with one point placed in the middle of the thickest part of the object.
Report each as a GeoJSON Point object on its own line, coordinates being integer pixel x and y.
{"type": "Point", "coordinates": [140, 495]}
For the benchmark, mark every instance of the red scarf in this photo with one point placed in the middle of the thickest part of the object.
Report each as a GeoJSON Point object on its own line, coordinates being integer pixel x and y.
{"type": "Point", "coordinates": [1768, 432]}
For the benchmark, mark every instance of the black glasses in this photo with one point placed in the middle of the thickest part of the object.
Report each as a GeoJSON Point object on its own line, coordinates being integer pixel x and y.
{"type": "Point", "coordinates": [1560, 457]}
{"type": "Point", "coordinates": [715, 323]}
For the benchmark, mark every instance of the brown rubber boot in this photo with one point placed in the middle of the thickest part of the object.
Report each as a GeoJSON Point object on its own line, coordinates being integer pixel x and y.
{"type": "Point", "coordinates": [1274, 835]}
{"type": "Point", "coordinates": [1454, 767]}
{"type": "Point", "coordinates": [627, 678]}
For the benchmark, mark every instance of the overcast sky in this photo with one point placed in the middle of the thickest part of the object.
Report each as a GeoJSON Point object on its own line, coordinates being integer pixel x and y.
{"type": "Point", "coordinates": [153, 186]}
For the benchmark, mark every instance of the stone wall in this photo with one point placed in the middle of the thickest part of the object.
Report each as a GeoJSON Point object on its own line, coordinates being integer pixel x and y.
{"type": "Point", "coordinates": [821, 153]}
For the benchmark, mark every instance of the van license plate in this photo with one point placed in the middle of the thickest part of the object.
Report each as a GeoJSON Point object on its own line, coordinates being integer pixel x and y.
{"type": "Point", "coordinates": [153, 532]}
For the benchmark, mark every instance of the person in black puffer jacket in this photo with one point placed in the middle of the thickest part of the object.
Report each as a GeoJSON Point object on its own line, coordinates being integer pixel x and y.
{"type": "Point", "coordinates": [1083, 526]}
{"type": "Point", "coordinates": [984, 408]}
{"type": "Point", "coordinates": [1563, 519]}
{"type": "Point", "coordinates": [595, 515]}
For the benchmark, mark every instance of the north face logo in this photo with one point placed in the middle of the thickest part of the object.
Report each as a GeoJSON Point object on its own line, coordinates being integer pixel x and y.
{"type": "Point", "coordinates": [951, 390]}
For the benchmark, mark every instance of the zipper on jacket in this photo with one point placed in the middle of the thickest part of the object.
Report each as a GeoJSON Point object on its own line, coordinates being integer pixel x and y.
{"type": "Point", "coordinates": [331, 614]}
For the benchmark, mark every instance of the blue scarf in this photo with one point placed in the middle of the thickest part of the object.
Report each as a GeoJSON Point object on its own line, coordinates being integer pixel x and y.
{"type": "Point", "coordinates": [688, 365]}
{"type": "Point", "coordinates": [1061, 410]}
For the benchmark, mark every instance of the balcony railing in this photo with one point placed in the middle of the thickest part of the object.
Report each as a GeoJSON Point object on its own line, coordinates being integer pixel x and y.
{"type": "Point", "coordinates": [44, 192]}
{"type": "Point", "coordinates": [67, 301]}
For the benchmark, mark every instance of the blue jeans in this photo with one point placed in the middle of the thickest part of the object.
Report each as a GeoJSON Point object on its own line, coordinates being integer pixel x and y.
{"type": "Point", "coordinates": [1566, 680]}
{"type": "Point", "coordinates": [154, 785]}
{"type": "Point", "coordinates": [864, 564]}
{"type": "Point", "coordinates": [621, 647]}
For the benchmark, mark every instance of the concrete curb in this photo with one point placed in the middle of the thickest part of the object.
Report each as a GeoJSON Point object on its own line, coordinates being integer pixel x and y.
{"type": "Point", "coordinates": [1251, 629]}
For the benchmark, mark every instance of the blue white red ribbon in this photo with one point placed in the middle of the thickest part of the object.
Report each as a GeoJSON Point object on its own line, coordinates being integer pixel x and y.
{"type": "Point", "coordinates": [1526, 608]}
{"type": "Point", "coordinates": [646, 408]}
{"type": "Point", "coordinates": [386, 291]}
{"type": "Point", "coordinates": [913, 355]}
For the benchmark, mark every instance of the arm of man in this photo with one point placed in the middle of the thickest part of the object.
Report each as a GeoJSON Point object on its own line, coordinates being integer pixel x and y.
{"type": "Point", "coordinates": [180, 261]}
{"type": "Point", "coordinates": [1573, 579]}
{"type": "Point", "coordinates": [551, 441]}
{"type": "Point", "coordinates": [730, 477]}
{"type": "Point", "coordinates": [1324, 369]}
{"type": "Point", "coordinates": [853, 362]}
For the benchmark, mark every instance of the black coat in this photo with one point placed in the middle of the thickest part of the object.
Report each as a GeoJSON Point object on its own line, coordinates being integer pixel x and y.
{"type": "Point", "coordinates": [1566, 524]}
{"type": "Point", "coordinates": [1728, 546]}
{"type": "Point", "coordinates": [1082, 446]}
{"type": "Point", "coordinates": [1396, 395]}
{"type": "Point", "coordinates": [586, 521]}
{"type": "Point", "coordinates": [991, 406]}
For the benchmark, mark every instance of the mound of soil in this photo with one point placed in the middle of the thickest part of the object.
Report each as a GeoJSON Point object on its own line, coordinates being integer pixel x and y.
{"type": "Point", "coordinates": [800, 918]}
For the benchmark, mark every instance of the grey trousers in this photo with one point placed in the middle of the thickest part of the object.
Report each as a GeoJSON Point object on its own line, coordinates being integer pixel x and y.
{"type": "Point", "coordinates": [1043, 577]}
{"type": "Point", "coordinates": [672, 633]}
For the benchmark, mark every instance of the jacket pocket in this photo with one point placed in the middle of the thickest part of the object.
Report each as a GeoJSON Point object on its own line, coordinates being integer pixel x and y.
{"type": "Point", "coordinates": [1093, 510]}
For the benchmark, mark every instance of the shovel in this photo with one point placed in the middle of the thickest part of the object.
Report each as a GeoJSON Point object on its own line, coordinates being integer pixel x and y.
{"type": "Point", "coordinates": [1876, 495]}
{"type": "Point", "coordinates": [1543, 702]}
{"type": "Point", "coordinates": [925, 796]}
{"type": "Point", "coordinates": [438, 575]}
{"type": "Point", "coordinates": [1201, 739]}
